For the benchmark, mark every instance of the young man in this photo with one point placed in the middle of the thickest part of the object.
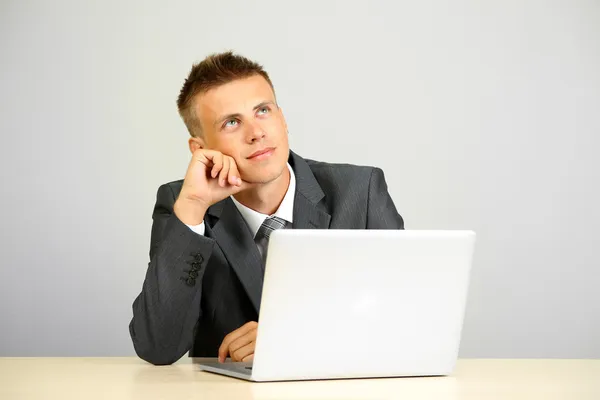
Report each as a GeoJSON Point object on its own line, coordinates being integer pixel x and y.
{"type": "Point", "coordinates": [210, 232]}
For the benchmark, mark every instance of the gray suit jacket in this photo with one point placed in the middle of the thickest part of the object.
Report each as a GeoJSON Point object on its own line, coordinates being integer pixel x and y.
{"type": "Point", "coordinates": [199, 288]}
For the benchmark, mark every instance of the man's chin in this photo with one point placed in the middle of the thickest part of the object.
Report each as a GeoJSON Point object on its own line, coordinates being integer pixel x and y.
{"type": "Point", "coordinates": [261, 178]}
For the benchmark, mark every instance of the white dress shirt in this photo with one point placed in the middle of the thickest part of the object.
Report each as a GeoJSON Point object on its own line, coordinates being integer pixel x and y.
{"type": "Point", "coordinates": [254, 219]}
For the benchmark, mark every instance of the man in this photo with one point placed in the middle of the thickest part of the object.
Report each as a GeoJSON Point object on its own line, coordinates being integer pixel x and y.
{"type": "Point", "coordinates": [210, 232]}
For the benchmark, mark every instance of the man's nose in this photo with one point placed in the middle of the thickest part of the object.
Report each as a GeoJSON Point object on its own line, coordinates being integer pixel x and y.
{"type": "Point", "coordinates": [255, 133]}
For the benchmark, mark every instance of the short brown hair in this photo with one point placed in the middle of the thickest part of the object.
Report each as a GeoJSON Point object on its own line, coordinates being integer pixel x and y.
{"type": "Point", "coordinates": [215, 70]}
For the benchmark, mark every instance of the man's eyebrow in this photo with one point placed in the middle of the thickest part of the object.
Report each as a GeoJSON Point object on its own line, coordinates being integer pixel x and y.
{"type": "Point", "coordinates": [238, 115]}
{"type": "Point", "coordinates": [262, 104]}
{"type": "Point", "coordinates": [227, 117]}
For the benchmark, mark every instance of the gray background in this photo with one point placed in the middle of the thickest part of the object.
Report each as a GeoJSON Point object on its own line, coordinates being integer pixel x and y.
{"type": "Point", "coordinates": [483, 115]}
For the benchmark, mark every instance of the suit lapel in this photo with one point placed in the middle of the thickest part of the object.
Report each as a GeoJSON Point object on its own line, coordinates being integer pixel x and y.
{"type": "Point", "coordinates": [233, 236]}
{"type": "Point", "coordinates": [309, 211]}
{"type": "Point", "coordinates": [308, 215]}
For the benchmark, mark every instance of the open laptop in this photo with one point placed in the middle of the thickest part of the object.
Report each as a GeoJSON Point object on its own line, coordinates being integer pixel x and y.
{"type": "Point", "coordinates": [359, 304]}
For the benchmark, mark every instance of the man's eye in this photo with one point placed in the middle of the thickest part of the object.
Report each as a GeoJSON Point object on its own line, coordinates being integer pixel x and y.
{"type": "Point", "coordinates": [231, 122]}
{"type": "Point", "coordinates": [263, 110]}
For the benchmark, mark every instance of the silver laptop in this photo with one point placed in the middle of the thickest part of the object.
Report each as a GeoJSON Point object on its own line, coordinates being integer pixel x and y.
{"type": "Point", "coordinates": [359, 304]}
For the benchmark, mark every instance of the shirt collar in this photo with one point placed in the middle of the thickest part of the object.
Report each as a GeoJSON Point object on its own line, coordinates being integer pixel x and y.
{"type": "Point", "coordinates": [254, 219]}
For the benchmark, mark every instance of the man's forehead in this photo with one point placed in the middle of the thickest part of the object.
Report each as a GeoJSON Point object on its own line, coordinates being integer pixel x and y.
{"type": "Point", "coordinates": [235, 97]}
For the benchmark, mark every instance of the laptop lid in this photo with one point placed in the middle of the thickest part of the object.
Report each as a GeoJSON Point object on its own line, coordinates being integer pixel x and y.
{"type": "Point", "coordinates": [362, 303]}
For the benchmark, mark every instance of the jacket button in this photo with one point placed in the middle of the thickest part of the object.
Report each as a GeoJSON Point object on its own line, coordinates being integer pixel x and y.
{"type": "Point", "coordinates": [198, 257]}
{"type": "Point", "coordinates": [189, 281]}
{"type": "Point", "coordinates": [193, 274]}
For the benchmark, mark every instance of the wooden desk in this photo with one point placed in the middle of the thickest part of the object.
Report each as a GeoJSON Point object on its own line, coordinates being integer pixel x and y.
{"type": "Point", "coordinates": [131, 378]}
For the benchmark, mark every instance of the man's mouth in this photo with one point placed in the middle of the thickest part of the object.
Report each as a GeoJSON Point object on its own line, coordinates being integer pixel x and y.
{"type": "Point", "coordinates": [261, 154]}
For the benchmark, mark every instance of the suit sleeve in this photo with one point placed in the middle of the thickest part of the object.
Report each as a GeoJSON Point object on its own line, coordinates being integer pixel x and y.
{"type": "Point", "coordinates": [167, 310]}
{"type": "Point", "coordinates": [381, 212]}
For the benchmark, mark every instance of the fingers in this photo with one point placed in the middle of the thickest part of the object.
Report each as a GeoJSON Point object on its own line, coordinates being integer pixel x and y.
{"type": "Point", "coordinates": [224, 174]}
{"type": "Point", "coordinates": [248, 358]}
{"type": "Point", "coordinates": [217, 160]}
{"type": "Point", "coordinates": [243, 346]}
{"type": "Point", "coordinates": [234, 174]}
{"type": "Point", "coordinates": [242, 352]}
{"type": "Point", "coordinates": [200, 156]}
{"type": "Point", "coordinates": [222, 167]}
{"type": "Point", "coordinates": [233, 336]}
{"type": "Point", "coordinates": [210, 158]}
{"type": "Point", "coordinates": [224, 349]}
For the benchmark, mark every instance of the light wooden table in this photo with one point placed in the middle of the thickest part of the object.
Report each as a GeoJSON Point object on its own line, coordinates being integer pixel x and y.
{"type": "Point", "coordinates": [131, 378]}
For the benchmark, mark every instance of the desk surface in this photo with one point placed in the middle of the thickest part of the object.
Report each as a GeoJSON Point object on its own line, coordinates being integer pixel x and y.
{"type": "Point", "coordinates": [131, 378]}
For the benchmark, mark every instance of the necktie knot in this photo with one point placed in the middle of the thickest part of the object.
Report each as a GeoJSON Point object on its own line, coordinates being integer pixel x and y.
{"type": "Point", "coordinates": [264, 232]}
{"type": "Point", "coordinates": [268, 226]}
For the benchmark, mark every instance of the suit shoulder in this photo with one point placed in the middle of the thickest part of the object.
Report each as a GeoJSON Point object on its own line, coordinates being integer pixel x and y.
{"type": "Point", "coordinates": [173, 187]}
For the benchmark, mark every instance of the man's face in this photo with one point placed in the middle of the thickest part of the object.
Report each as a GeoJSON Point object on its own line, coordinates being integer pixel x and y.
{"type": "Point", "coordinates": [240, 119]}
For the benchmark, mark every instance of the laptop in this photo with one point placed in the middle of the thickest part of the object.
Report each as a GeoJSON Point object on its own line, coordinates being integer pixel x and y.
{"type": "Point", "coordinates": [342, 304]}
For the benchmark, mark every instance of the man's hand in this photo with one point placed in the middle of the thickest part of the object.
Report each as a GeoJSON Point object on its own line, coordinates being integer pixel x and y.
{"type": "Point", "coordinates": [239, 344]}
{"type": "Point", "coordinates": [211, 176]}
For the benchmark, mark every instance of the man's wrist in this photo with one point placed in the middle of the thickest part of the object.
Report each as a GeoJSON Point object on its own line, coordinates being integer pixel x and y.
{"type": "Point", "coordinates": [189, 212]}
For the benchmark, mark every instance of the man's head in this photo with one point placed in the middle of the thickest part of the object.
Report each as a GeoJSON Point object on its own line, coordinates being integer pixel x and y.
{"type": "Point", "coordinates": [228, 104]}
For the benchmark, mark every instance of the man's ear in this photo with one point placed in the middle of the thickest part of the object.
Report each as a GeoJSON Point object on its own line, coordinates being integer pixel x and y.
{"type": "Point", "coordinates": [196, 143]}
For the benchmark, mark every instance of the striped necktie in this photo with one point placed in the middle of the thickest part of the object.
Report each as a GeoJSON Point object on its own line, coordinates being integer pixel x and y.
{"type": "Point", "coordinates": [264, 232]}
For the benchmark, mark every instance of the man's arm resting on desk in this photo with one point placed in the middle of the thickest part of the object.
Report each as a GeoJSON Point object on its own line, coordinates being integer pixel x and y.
{"type": "Point", "coordinates": [381, 211]}
{"type": "Point", "coordinates": [167, 310]}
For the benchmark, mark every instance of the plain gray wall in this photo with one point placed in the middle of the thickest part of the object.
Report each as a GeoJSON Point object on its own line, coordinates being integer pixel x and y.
{"type": "Point", "coordinates": [484, 115]}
